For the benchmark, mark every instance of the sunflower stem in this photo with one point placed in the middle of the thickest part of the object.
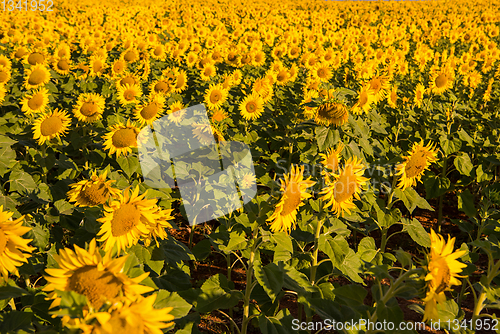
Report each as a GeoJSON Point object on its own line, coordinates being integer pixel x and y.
{"type": "Point", "coordinates": [249, 283]}
{"type": "Point", "coordinates": [493, 271]}
{"type": "Point", "coordinates": [231, 323]}
{"type": "Point", "coordinates": [440, 208]}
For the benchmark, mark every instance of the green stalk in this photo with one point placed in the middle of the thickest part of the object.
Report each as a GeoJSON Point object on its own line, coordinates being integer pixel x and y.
{"type": "Point", "coordinates": [440, 208]}
{"type": "Point", "coordinates": [228, 262]}
{"type": "Point", "coordinates": [314, 266]}
{"type": "Point", "coordinates": [479, 303]}
{"type": "Point", "coordinates": [249, 285]}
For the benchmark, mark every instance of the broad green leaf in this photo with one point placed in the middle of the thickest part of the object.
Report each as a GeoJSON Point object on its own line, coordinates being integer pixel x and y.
{"type": "Point", "coordinates": [40, 236]}
{"type": "Point", "coordinates": [166, 298]}
{"type": "Point", "coordinates": [7, 159]}
{"type": "Point", "coordinates": [450, 146]}
{"type": "Point", "coordinates": [215, 294]}
{"type": "Point", "coordinates": [466, 203]}
{"type": "Point", "coordinates": [463, 164]}
{"type": "Point", "coordinates": [21, 182]}
{"type": "Point", "coordinates": [282, 323]}
{"type": "Point", "coordinates": [129, 164]}
{"type": "Point", "coordinates": [417, 232]}
{"type": "Point", "coordinates": [351, 267]}
{"type": "Point", "coordinates": [436, 186]}
{"type": "Point", "coordinates": [336, 248]}
{"type": "Point", "coordinates": [270, 277]}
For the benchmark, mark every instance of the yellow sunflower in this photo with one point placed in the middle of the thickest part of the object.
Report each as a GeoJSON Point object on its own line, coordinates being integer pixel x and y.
{"type": "Point", "coordinates": [14, 248]}
{"type": "Point", "coordinates": [121, 138]}
{"type": "Point", "coordinates": [365, 100]}
{"type": "Point", "coordinates": [37, 76]}
{"type": "Point", "coordinates": [161, 86]}
{"type": "Point", "coordinates": [442, 272]}
{"type": "Point", "coordinates": [344, 187]}
{"type": "Point", "coordinates": [441, 81]}
{"type": "Point", "coordinates": [418, 160]}
{"type": "Point", "coordinates": [148, 112]}
{"type": "Point", "coordinates": [5, 62]}
{"type": "Point", "coordinates": [251, 107]}
{"type": "Point", "coordinates": [158, 230]}
{"type": "Point", "coordinates": [92, 192]}
{"type": "Point", "coordinates": [118, 68]}
{"type": "Point", "coordinates": [322, 72]}
{"type": "Point", "coordinates": [294, 192]}
{"type": "Point", "coordinates": [219, 115]}
{"type": "Point", "coordinates": [4, 74]}
{"type": "Point", "coordinates": [180, 81]}
{"type": "Point", "coordinates": [208, 72]}
{"type": "Point", "coordinates": [125, 316]}
{"type": "Point", "coordinates": [61, 66]}
{"type": "Point", "coordinates": [98, 278]}
{"type": "Point", "coordinates": [392, 97]}
{"type": "Point", "coordinates": [127, 219]}
{"type": "Point", "coordinates": [35, 58]}
{"type": "Point", "coordinates": [215, 96]}
{"type": "Point", "coordinates": [51, 125]}
{"type": "Point", "coordinates": [331, 159]}
{"type": "Point", "coordinates": [379, 86]}
{"type": "Point", "coordinates": [331, 113]}
{"type": "Point", "coordinates": [129, 93]}
{"type": "Point", "coordinates": [419, 95]}
{"type": "Point", "coordinates": [3, 92]}
{"type": "Point", "coordinates": [89, 107]}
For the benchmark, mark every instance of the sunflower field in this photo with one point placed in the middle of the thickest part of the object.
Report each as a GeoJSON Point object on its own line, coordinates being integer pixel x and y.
{"type": "Point", "coordinates": [373, 128]}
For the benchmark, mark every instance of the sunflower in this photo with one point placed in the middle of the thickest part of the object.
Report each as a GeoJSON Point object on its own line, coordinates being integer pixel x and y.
{"type": "Point", "coordinates": [379, 86]}
{"type": "Point", "coordinates": [159, 52]}
{"type": "Point", "coordinates": [219, 115]}
{"type": "Point", "coordinates": [147, 113]}
{"type": "Point", "coordinates": [62, 51]}
{"type": "Point", "coordinates": [118, 68]}
{"type": "Point", "coordinates": [131, 55]}
{"type": "Point", "coordinates": [37, 76]}
{"type": "Point", "coordinates": [251, 107]}
{"type": "Point", "coordinates": [98, 278]}
{"type": "Point", "coordinates": [5, 62]}
{"type": "Point", "coordinates": [294, 192]}
{"type": "Point", "coordinates": [331, 160]}
{"type": "Point", "coordinates": [97, 66]}
{"type": "Point", "coordinates": [158, 230]}
{"type": "Point", "coordinates": [418, 160]}
{"type": "Point", "coordinates": [161, 86]}
{"type": "Point", "coordinates": [191, 59]}
{"type": "Point", "coordinates": [331, 113]}
{"type": "Point", "coordinates": [121, 138]}
{"type": "Point", "coordinates": [129, 93]}
{"type": "Point", "coordinates": [344, 186]}
{"type": "Point", "coordinates": [322, 72]}
{"type": "Point", "coordinates": [127, 219]}
{"type": "Point", "coordinates": [89, 107]}
{"type": "Point", "coordinates": [441, 81]}
{"type": "Point", "coordinates": [126, 316]}
{"type": "Point", "coordinates": [365, 100]}
{"type": "Point", "coordinates": [13, 247]}
{"type": "Point", "coordinates": [92, 192]}
{"type": "Point", "coordinates": [215, 96]}
{"type": "Point", "coordinates": [51, 125]}
{"type": "Point", "coordinates": [208, 72]}
{"type": "Point", "coordinates": [419, 95]}
{"type": "Point", "coordinates": [127, 78]}
{"type": "Point", "coordinates": [392, 97]}
{"type": "Point", "coordinates": [180, 81]}
{"type": "Point", "coordinates": [36, 102]}
{"type": "Point", "coordinates": [4, 74]}
{"type": "Point", "coordinates": [442, 272]}
{"type": "Point", "coordinates": [35, 58]}
{"type": "Point", "coordinates": [3, 92]}
{"type": "Point", "coordinates": [61, 66]}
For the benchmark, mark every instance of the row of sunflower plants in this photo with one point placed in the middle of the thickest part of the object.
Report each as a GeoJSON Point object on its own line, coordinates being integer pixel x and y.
{"type": "Point", "coordinates": [359, 127]}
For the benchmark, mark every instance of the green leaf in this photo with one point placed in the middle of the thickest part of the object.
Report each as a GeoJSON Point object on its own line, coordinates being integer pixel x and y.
{"type": "Point", "coordinates": [215, 294]}
{"type": "Point", "coordinates": [16, 321]}
{"type": "Point", "coordinates": [270, 277]}
{"type": "Point", "coordinates": [7, 159]}
{"type": "Point", "coordinates": [9, 291]}
{"type": "Point", "coordinates": [166, 298]}
{"type": "Point", "coordinates": [40, 236]}
{"type": "Point", "coordinates": [297, 281]}
{"type": "Point", "coordinates": [145, 256]}
{"type": "Point", "coordinates": [436, 186]}
{"type": "Point", "coordinates": [464, 136]}
{"type": "Point", "coordinates": [411, 199]}
{"type": "Point", "coordinates": [417, 232]}
{"type": "Point", "coordinates": [279, 324]}
{"type": "Point", "coordinates": [450, 146]}
{"type": "Point", "coordinates": [202, 249]}
{"type": "Point", "coordinates": [326, 137]}
{"type": "Point", "coordinates": [351, 267]}
{"type": "Point", "coordinates": [128, 164]}
{"type": "Point", "coordinates": [237, 241]}
{"type": "Point", "coordinates": [336, 248]}
{"type": "Point", "coordinates": [466, 203]}
{"type": "Point", "coordinates": [21, 182]}
{"type": "Point", "coordinates": [463, 164]}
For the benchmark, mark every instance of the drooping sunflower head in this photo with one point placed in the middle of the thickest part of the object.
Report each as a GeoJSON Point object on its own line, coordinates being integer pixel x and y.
{"type": "Point", "coordinates": [37, 76]}
{"type": "Point", "coordinates": [332, 113]}
{"type": "Point", "coordinates": [342, 188]}
{"type": "Point", "coordinates": [98, 278]}
{"type": "Point", "coordinates": [14, 249]}
{"type": "Point", "coordinates": [418, 160]}
{"type": "Point", "coordinates": [89, 107]}
{"type": "Point", "coordinates": [51, 125]}
{"type": "Point", "coordinates": [294, 188]}
{"type": "Point", "coordinates": [121, 138]}
{"type": "Point", "coordinates": [127, 219]}
{"type": "Point", "coordinates": [92, 192]}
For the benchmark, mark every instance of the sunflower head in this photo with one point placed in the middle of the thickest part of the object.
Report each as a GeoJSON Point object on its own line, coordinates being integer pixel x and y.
{"type": "Point", "coordinates": [332, 113]}
{"type": "Point", "coordinates": [121, 138]}
{"type": "Point", "coordinates": [418, 160]}
{"type": "Point", "coordinates": [51, 125]}
{"type": "Point", "coordinates": [92, 192]}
